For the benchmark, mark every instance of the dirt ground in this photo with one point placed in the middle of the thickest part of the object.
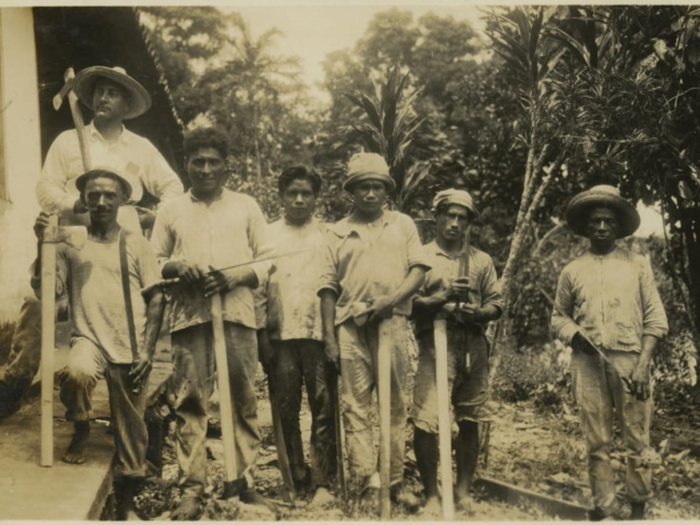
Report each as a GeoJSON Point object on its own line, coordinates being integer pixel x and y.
{"type": "Point", "coordinates": [544, 453]}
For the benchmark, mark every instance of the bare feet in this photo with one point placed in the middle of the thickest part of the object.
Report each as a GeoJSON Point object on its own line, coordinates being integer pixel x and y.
{"type": "Point", "coordinates": [432, 509]}
{"type": "Point", "coordinates": [321, 498]}
{"type": "Point", "coordinates": [75, 453]}
{"type": "Point", "coordinates": [188, 510]}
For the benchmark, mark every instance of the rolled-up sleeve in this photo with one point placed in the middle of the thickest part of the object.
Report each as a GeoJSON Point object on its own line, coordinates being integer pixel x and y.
{"type": "Point", "coordinates": [655, 321]}
{"type": "Point", "coordinates": [417, 255]}
{"type": "Point", "coordinates": [329, 278]}
{"type": "Point", "coordinates": [564, 328]}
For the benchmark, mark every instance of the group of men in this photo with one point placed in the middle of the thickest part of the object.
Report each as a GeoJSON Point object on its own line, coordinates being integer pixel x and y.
{"type": "Point", "coordinates": [309, 299]}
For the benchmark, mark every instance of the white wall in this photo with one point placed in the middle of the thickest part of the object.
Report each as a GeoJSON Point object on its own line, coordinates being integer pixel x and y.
{"type": "Point", "coordinates": [21, 153]}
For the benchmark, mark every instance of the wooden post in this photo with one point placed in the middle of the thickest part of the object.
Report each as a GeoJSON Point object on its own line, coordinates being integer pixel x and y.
{"type": "Point", "coordinates": [444, 420]}
{"type": "Point", "coordinates": [225, 402]}
{"type": "Point", "coordinates": [384, 396]}
{"type": "Point", "coordinates": [48, 343]}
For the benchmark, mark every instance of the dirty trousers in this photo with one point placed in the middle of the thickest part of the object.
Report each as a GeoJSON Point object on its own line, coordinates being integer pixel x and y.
{"type": "Point", "coordinates": [297, 361]}
{"type": "Point", "coordinates": [599, 393]}
{"type": "Point", "coordinates": [25, 353]}
{"type": "Point", "coordinates": [194, 376]}
{"type": "Point", "coordinates": [468, 387]}
{"type": "Point", "coordinates": [87, 363]}
{"type": "Point", "coordinates": [358, 364]}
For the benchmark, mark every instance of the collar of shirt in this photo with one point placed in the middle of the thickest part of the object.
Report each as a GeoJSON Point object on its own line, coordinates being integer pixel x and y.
{"type": "Point", "coordinates": [196, 199]}
{"type": "Point", "coordinates": [345, 228]}
{"type": "Point", "coordinates": [435, 248]}
{"type": "Point", "coordinates": [124, 136]}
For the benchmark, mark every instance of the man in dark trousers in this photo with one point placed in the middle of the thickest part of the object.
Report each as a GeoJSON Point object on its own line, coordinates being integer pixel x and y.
{"type": "Point", "coordinates": [469, 303]}
{"type": "Point", "coordinates": [607, 302]}
{"type": "Point", "coordinates": [374, 263]}
{"type": "Point", "coordinates": [101, 342]}
{"type": "Point", "coordinates": [294, 354]}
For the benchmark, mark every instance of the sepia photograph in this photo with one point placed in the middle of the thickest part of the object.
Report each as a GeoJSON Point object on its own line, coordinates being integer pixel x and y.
{"type": "Point", "coordinates": [350, 261]}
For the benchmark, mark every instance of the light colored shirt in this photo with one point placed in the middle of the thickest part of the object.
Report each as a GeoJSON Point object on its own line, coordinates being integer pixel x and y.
{"type": "Point", "coordinates": [131, 156]}
{"type": "Point", "coordinates": [484, 289]}
{"type": "Point", "coordinates": [228, 231]}
{"type": "Point", "coordinates": [293, 308]}
{"type": "Point", "coordinates": [612, 299]}
{"type": "Point", "coordinates": [363, 262]}
{"type": "Point", "coordinates": [92, 278]}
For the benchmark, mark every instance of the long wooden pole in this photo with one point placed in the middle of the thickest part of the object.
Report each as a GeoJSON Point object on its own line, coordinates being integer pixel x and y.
{"type": "Point", "coordinates": [48, 343]}
{"type": "Point", "coordinates": [225, 401]}
{"type": "Point", "coordinates": [444, 420]}
{"type": "Point", "coordinates": [384, 397]}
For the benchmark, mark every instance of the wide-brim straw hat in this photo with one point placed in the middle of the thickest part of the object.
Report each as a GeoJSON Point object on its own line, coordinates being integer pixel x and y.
{"type": "Point", "coordinates": [579, 208]}
{"type": "Point", "coordinates": [84, 87]}
{"type": "Point", "coordinates": [82, 181]}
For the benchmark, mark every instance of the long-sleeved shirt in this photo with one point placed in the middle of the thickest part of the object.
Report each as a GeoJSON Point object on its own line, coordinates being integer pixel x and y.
{"type": "Point", "coordinates": [293, 308]}
{"type": "Point", "coordinates": [484, 289]}
{"type": "Point", "coordinates": [612, 299]}
{"type": "Point", "coordinates": [131, 155]}
{"type": "Point", "coordinates": [228, 231]}
{"type": "Point", "coordinates": [363, 262]}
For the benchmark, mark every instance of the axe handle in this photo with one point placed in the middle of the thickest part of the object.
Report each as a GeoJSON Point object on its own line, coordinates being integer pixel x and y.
{"type": "Point", "coordinates": [80, 128]}
{"type": "Point", "coordinates": [48, 334]}
{"type": "Point", "coordinates": [282, 456]}
{"type": "Point", "coordinates": [225, 401]}
{"type": "Point", "coordinates": [444, 420]}
{"type": "Point", "coordinates": [384, 397]}
{"type": "Point", "coordinates": [333, 381]}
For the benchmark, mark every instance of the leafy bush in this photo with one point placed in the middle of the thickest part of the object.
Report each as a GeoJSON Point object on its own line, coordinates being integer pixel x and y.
{"type": "Point", "coordinates": [7, 329]}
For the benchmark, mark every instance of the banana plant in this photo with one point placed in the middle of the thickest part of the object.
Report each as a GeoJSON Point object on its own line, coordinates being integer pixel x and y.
{"type": "Point", "coordinates": [389, 128]}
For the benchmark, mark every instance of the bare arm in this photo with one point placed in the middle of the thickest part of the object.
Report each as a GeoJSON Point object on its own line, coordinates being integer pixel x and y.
{"type": "Point", "coordinates": [329, 298]}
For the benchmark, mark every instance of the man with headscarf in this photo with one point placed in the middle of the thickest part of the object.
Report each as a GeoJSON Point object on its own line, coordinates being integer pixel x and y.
{"type": "Point", "coordinates": [607, 301]}
{"type": "Point", "coordinates": [468, 303]}
{"type": "Point", "coordinates": [374, 263]}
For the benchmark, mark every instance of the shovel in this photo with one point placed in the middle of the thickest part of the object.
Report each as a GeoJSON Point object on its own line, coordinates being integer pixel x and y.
{"type": "Point", "coordinates": [444, 426]}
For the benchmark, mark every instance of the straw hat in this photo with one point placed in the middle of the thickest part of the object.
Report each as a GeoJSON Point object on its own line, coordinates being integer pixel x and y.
{"type": "Point", "coordinates": [601, 196]}
{"type": "Point", "coordinates": [82, 181]}
{"type": "Point", "coordinates": [84, 87]}
{"type": "Point", "coordinates": [368, 166]}
{"type": "Point", "coordinates": [457, 197]}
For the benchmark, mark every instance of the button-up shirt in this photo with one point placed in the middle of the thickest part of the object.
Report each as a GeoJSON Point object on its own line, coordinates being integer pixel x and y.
{"type": "Point", "coordinates": [293, 308]}
{"type": "Point", "coordinates": [484, 289]}
{"type": "Point", "coordinates": [229, 230]}
{"type": "Point", "coordinates": [364, 262]}
{"type": "Point", "coordinates": [131, 156]}
{"type": "Point", "coordinates": [612, 298]}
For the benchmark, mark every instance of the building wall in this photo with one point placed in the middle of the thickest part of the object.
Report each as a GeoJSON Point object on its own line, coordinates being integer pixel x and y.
{"type": "Point", "coordinates": [20, 156]}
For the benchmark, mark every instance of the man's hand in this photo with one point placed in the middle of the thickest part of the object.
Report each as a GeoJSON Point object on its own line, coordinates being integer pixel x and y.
{"type": "Point", "coordinates": [216, 281]}
{"type": "Point", "coordinates": [471, 313]}
{"type": "Point", "coordinates": [141, 369]}
{"type": "Point", "coordinates": [146, 217]}
{"type": "Point", "coordinates": [191, 273]}
{"type": "Point", "coordinates": [380, 308]}
{"type": "Point", "coordinates": [79, 207]}
{"type": "Point", "coordinates": [458, 289]}
{"type": "Point", "coordinates": [640, 381]}
{"type": "Point", "coordinates": [580, 344]}
{"type": "Point", "coordinates": [40, 225]}
{"type": "Point", "coordinates": [332, 351]}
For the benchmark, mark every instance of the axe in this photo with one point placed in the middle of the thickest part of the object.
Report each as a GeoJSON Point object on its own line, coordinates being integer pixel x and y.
{"type": "Point", "coordinates": [67, 91]}
{"type": "Point", "coordinates": [384, 338]}
{"type": "Point", "coordinates": [74, 236]}
{"type": "Point", "coordinates": [444, 420]}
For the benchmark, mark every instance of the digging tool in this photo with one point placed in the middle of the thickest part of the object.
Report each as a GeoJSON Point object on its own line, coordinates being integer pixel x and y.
{"type": "Point", "coordinates": [233, 485]}
{"type": "Point", "coordinates": [332, 380]}
{"type": "Point", "coordinates": [176, 280]}
{"type": "Point", "coordinates": [78, 121]}
{"type": "Point", "coordinates": [74, 236]}
{"type": "Point", "coordinates": [444, 420]}
{"type": "Point", "coordinates": [384, 397]}
{"type": "Point", "coordinates": [282, 456]}
{"type": "Point", "coordinates": [463, 272]}
{"type": "Point", "coordinates": [551, 301]}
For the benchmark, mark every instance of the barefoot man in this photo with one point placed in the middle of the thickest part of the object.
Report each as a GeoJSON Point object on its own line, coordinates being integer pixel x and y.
{"type": "Point", "coordinates": [100, 341]}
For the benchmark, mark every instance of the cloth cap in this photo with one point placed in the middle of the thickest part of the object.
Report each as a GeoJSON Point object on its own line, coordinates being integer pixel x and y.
{"type": "Point", "coordinates": [368, 166]}
{"type": "Point", "coordinates": [82, 181]}
{"type": "Point", "coordinates": [84, 87]}
{"type": "Point", "coordinates": [605, 196]}
{"type": "Point", "coordinates": [457, 197]}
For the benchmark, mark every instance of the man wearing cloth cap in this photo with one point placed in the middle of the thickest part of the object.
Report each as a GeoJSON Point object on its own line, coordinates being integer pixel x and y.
{"type": "Point", "coordinates": [469, 304]}
{"type": "Point", "coordinates": [100, 336]}
{"type": "Point", "coordinates": [611, 301]}
{"type": "Point", "coordinates": [113, 96]}
{"type": "Point", "coordinates": [374, 263]}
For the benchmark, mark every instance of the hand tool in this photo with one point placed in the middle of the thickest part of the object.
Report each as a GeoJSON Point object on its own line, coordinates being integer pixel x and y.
{"type": "Point", "coordinates": [67, 91]}
{"type": "Point", "coordinates": [384, 345]}
{"type": "Point", "coordinates": [444, 419]}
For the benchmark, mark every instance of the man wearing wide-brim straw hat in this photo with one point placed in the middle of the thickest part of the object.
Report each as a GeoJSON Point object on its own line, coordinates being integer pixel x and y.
{"type": "Point", "coordinates": [373, 264]}
{"type": "Point", "coordinates": [613, 306]}
{"type": "Point", "coordinates": [468, 303]}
